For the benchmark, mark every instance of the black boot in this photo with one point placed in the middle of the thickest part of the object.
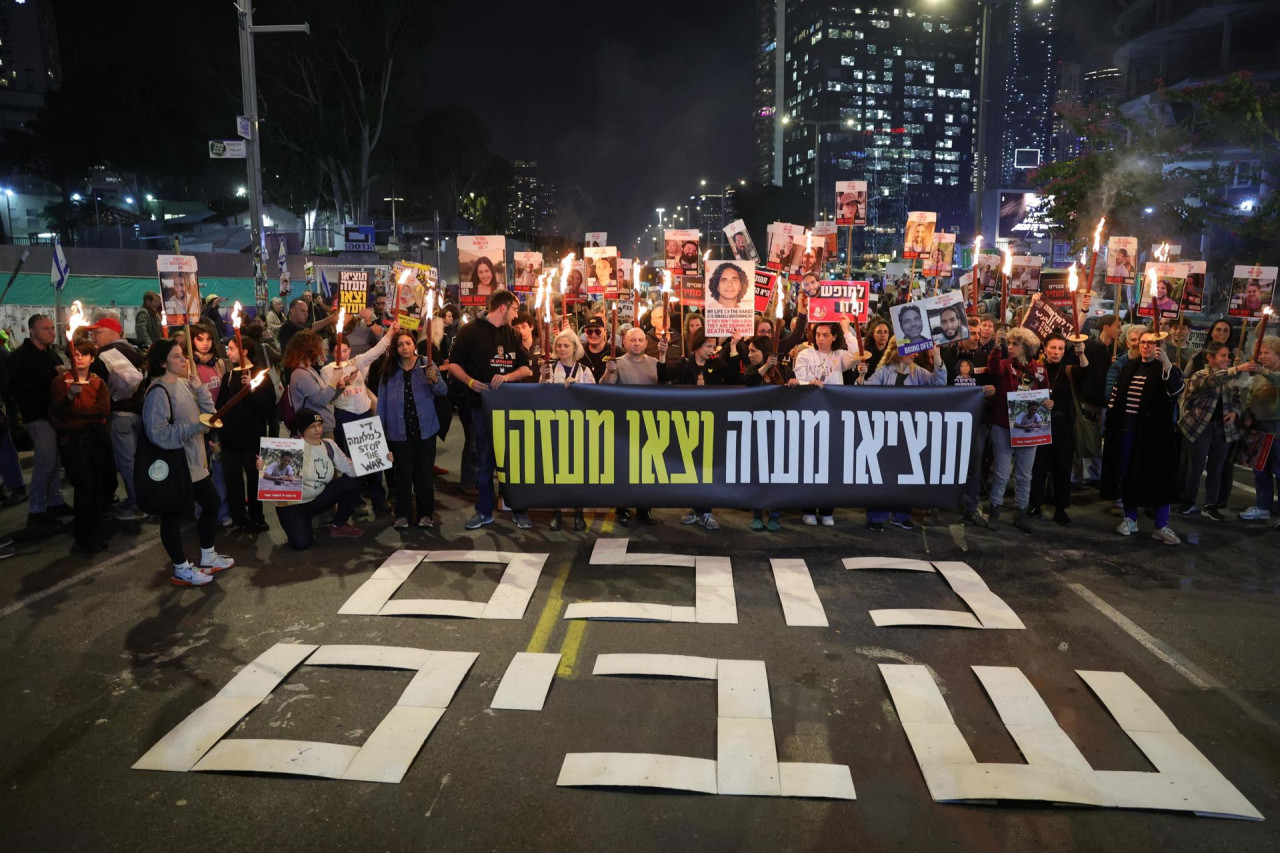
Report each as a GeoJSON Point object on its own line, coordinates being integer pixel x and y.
{"type": "Point", "coordinates": [579, 521]}
{"type": "Point", "coordinates": [1020, 520]}
{"type": "Point", "coordinates": [555, 520]}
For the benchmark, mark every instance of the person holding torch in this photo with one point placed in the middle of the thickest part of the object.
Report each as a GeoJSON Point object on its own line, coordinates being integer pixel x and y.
{"type": "Point", "coordinates": [80, 405]}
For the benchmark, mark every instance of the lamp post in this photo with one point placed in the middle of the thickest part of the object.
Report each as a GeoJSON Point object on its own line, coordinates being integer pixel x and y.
{"type": "Point", "coordinates": [8, 215]}
{"type": "Point", "coordinates": [817, 126]}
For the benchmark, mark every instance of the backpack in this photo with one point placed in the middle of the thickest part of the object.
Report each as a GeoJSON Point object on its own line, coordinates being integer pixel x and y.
{"type": "Point", "coordinates": [284, 407]}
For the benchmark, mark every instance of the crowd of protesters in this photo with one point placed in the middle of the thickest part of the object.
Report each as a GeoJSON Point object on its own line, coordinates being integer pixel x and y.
{"type": "Point", "coordinates": [1141, 418]}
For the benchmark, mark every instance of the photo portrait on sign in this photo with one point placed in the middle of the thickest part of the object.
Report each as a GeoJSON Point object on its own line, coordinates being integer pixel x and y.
{"type": "Point", "coordinates": [179, 288]}
{"type": "Point", "coordinates": [1024, 276]}
{"type": "Point", "coordinates": [729, 298]}
{"type": "Point", "coordinates": [575, 284]}
{"type": "Point", "coordinates": [782, 245]}
{"type": "Point", "coordinates": [989, 264]}
{"type": "Point", "coordinates": [528, 268]}
{"type": "Point", "coordinates": [411, 282]}
{"type": "Point", "coordinates": [1122, 260]}
{"type": "Point", "coordinates": [947, 322]}
{"type": "Point", "coordinates": [1169, 282]}
{"type": "Point", "coordinates": [808, 261]}
{"type": "Point", "coordinates": [919, 234]}
{"type": "Point", "coordinates": [602, 270]}
{"type": "Point", "coordinates": [826, 236]}
{"type": "Point", "coordinates": [851, 203]}
{"type": "Point", "coordinates": [938, 264]}
{"type": "Point", "coordinates": [596, 238]}
{"type": "Point", "coordinates": [682, 249]}
{"type": "Point", "coordinates": [740, 242]}
{"type": "Point", "coordinates": [1193, 288]}
{"type": "Point", "coordinates": [482, 267]}
{"type": "Point", "coordinates": [810, 285]}
{"type": "Point", "coordinates": [911, 327]}
{"type": "Point", "coordinates": [1029, 421]}
{"type": "Point", "coordinates": [1252, 289]}
{"type": "Point", "coordinates": [281, 476]}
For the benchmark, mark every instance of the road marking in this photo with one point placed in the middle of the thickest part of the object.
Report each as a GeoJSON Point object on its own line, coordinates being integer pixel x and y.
{"type": "Point", "coordinates": [1156, 646]}
{"type": "Point", "coordinates": [571, 648]}
{"type": "Point", "coordinates": [74, 579]}
{"type": "Point", "coordinates": [550, 613]}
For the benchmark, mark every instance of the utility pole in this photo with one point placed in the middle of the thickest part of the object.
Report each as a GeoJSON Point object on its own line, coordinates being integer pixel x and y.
{"type": "Point", "coordinates": [253, 157]}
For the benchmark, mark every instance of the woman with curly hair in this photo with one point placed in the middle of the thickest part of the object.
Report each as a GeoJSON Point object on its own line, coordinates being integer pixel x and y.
{"type": "Point", "coordinates": [306, 389]}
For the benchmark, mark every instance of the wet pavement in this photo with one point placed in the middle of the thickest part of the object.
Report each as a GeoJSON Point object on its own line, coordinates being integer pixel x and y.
{"type": "Point", "coordinates": [103, 658]}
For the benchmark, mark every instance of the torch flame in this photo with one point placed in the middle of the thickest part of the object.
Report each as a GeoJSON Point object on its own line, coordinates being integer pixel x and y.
{"type": "Point", "coordinates": [1153, 279]}
{"type": "Point", "coordinates": [1073, 280]}
{"type": "Point", "coordinates": [164, 321]}
{"type": "Point", "coordinates": [1007, 269]}
{"type": "Point", "coordinates": [1162, 254]}
{"type": "Point", "coordinates": [537, 303]}
{"type": "Point", "coordinates": [808, 241]}
{"type": "Point", "coordinates": [777, 312]}
{"type": "Point", "coordinates": [342, 318]}
{"type": "Point", "coordinates": [406, 276]}
{"type": "Point", "coordinates": [235, 315]}
{"type": "Point", "coordinates": [75, 319]}
{"type": "Point", "coordinates": [257, 380]}
{"type": "Point", "coordinates": [636, 266]}
{"type": "Point", "coordinates": [1097, 233]}
{"type": "Point", "coordinates": [977, 245]}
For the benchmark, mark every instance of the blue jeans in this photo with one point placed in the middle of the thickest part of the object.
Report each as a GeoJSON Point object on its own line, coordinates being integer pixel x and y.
{"type": "Point", "coordinates": [485, 462]}
{"type": "Point", "coordinates": [46, 477]}
{"type": "Point", "coordinates": [1020, 459]}
{"type": "Point", "coordinates": [123, 428]}
{"type": "Point", "coordinates": [1208, 453]}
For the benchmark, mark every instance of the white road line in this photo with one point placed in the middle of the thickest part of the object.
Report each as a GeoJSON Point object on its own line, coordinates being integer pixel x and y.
{"type": "Point", "coordinates": [1157, 647]}
{"type": "Point", "coordinates": [10, 609]}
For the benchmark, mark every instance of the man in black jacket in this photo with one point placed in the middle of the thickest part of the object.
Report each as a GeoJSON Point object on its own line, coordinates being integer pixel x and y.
{"type": "Point", "coordinates": [32, 370]}
{"type": "Point", "coordinates": [119, 365]}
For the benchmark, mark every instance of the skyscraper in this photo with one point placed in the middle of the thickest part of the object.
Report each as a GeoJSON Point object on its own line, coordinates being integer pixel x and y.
{"type": "Point", "coordinates": [1029, 89]}
{"type": "Point", "coordinates": [532, 209]}
{"type": "Point", "coordinates": [29, 60]}
{"type": "Point", "coordinates": [767, 160]}
{"type": "Point", "coordinates": [884, 93]}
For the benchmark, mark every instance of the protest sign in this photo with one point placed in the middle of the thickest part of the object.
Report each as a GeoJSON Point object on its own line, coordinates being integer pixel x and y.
{"type": "Point", "coordinates": [839, 300]}
{"type": "Point", "coordinates": [920, 324]}
{"type": "Point", "coordinates": [729, 298]}
{"type": "Point", "coordinates": [626, 308]}
{"type": "Point", "coordinates": [482, 267]}
{"type": "Point", "coordinates": [575, 289]}
{"type": "Point", "coordinates": [179, 288]}
{"type": "Point", "coordinates": [602, 271]}
{"type": "Point", "coordinates": [744, 249]}
{"type": "Point", "coordinates": [1193, 289]}
{"type": "Point", "coordinates": [825, 236]}
{"type": "Point", "coordinates": [782, 245]}
{"type": "Point", "coordinates": [413, 282]}
{"type": "Point", "coordinates": [367, 445]}
{"type": "Point", "coordinates": [1029, 423]}
{"type": "Point", "coordinates": [682, 249]}
{"type": "Point", "coordinates": [1252, 289]}
{"type": "Point", "coordinates": [281, 476]}
{"type": "Point", "coordinates": [766, 281]}
{"type": "Point", "coordinates": [851, 203]}
{"type": "Point", "coordinates": [1053, 287]}
{"type": "Point", "coordinates": [938, 263]}
{"type": "Point", "coordinates": [911, 327]}
{"type": "Point", "coordinates": [1254, 450]}
{"type": "Point", "coordinates": [1169, 282]}
{"type": "Point", "coordinates": [528, 268]}
{"type": "Point", "coordinates": [1024, 276]}
{"type": "Point", "coordinates": [689, 288]}
{"type": "Point", "coordinates": [353, 290]}
{"type": "Point", "coordinates": [988, 265]}
{"type": "Point", "coordinates": [1122, 259]}
{"type": "Point", "coordinates": [1044, 320]}
{"type": "Point", "coordinates": [919, 234]}
{"type": "Point", "coordinates": [593, 239]}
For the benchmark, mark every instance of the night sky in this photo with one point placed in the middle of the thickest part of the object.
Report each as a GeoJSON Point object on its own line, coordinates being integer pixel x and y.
{"type": "Point", "coordinates": [624, 106]}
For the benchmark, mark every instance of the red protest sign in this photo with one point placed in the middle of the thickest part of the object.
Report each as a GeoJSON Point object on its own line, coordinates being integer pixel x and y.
{"type": "Point", "coordinates": [766, 282]}
{"type": "Point", "coordinates": [838, 300]}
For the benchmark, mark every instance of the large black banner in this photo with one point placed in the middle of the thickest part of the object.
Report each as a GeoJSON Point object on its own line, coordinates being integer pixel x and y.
{"type": "Point", "coordinates": [602, 446]}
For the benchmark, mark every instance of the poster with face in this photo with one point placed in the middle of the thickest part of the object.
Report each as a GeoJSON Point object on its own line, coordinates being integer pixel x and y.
{"type": "Point", "coordinates": [1024, 278]}
{"type": "Point", "coordinates": [989, 264]}
{"type": "Point", "coordinates": [413, 281]}
{"type": "Point", "coordinates": [682, 249]}
{"type": "Point", "coordinates": [938, 264]}
{"type": "Point", "coordinates": [920, 324]}
{"type": "Point", "coordinates": [839, 300]}
{"type": "Point", "coordinates": [179, 288]}
{"type": "Point", "coordinates": [528, 268]}
{"type": "Point", "coordinates": [808, 260]}
{"type": "Point", "coordinates": [825, 235]}
{"type": "Point", "coordinates": [575, 285]}
{"type": "Point", "coordinates": [602, 271]}
{"type": "Point", "coordinates": [783, 251]}
{"type": "Point", "coordinates": [595, 239]}
{"type": "Point", "coordinates": [766, 283]}
{"type": "Point", "coordinates": [482, 268]}
{"type": "Point", "coordinates": [1122, 263]}
{"type": "Point", "coordinates": [729, 298]}
{"type": "Point", "coordinates": [919, 235]}
{"type": "Point", "coordinates": [1193, 289]}
{"type": "Point", "coordinates": [1252, 289]}
{"type": "Point", "coordinates": [281, 475]}
{"type": "Point", "coordinates": [740, 242]}
{"type": "Point", "coordinates": [851, 203]}
{"type": "Point", "coordinates": [947, 323]}
{"type": "Point", "coordinates": [1162, 286]}
{"type": "Point", "coordinates": [1029, 422]}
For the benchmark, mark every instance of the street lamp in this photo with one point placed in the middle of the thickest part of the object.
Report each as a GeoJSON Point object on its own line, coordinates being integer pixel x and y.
{"type": "Point", "coordinates": [128, 199]}
{"type": "Point", "coordinates": [817, 149]}
{"type": "Point", "coordinates": [8, 215]}
{"type": "Point", "coordinates": [661, 210]}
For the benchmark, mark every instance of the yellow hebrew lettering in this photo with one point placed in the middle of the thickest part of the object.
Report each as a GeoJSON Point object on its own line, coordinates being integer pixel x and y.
{"type": "Point", "coordinates": [521, 453]}
{"type": "Point", "coordinates": [633, 448]}
{"type": "Point", "coordinates": [687, 434]}
{"type": "Point", "coordinates": [498, 424]}
{"type": "Point", "coordinates": [573, 454]}
{"type": "Point", "coordinates": [653, 465]}
{"type": "Point", "coordinates": [600, 435]}
{"type": "Point", "coordinates": [708, 446]}
{"type": "Point", "coordinates": [546, 417]}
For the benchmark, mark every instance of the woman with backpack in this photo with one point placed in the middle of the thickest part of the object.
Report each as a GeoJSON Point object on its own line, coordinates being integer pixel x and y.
{"type": "Point", "coordinates": [171, 421]}
{"type": "Point", "coordinates": [306, 388]}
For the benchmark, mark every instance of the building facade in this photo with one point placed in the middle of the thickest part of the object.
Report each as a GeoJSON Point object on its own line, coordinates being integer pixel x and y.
{"type": "Point", "coordinates": [30, 64]}
{"type": "Point", "coordinates": [532, 209]}
{"type": "Point", "coordinates": [1029, 89]}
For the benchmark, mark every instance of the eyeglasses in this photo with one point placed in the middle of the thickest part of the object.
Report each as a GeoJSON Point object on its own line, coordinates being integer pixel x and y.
{"type": "Point", "coordinates": [595, 331]}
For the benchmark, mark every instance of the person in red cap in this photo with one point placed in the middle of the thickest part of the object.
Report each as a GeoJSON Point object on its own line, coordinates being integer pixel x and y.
{"type": "Point", "coordinates": [120, 366]}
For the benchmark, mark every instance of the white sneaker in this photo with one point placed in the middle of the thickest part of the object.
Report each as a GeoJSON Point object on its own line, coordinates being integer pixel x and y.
{"type": "Point", "coordinates": [709, 522]}
{"type": "Point", "coordinates": [811, 520]}
{"type": "Point", "coordinates": [690, 518]}
{"type": "Point", "coordinates": [1254, 513]}
{"type": "Point", "coordinates": [827, 521]}
{"type": "Point", "coordinates": [1127, 526]}
{"type": "Point", "coordinates": [1167, 536]}
{"type": "Point", "coordinates": [189, 575]}
{"type": "Point", "coordinates": [219, 563]}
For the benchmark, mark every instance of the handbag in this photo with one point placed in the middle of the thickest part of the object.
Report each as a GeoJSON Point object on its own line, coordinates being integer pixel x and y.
{"type": "Point", "coordinates": [161, 478]}
{"type": "Point", "coordinates": [1085, 425]}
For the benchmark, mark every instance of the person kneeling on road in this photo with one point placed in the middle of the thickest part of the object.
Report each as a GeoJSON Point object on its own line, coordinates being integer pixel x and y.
{"type": "Point", "coordinates": [322, 488]}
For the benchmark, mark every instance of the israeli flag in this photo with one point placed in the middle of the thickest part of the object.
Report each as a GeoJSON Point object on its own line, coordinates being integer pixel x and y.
{"type": "Point", "coordinates": [281, 263]}
{"type": "Point", "coordinates": [58, 276]}
{"type": "Point", "coordinates": [325, 290]}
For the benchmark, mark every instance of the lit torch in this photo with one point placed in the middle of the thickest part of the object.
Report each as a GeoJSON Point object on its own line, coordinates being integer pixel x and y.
{"type": "Point", "coordinates": [235, 324]}
{"type": "Point", "coordinates": [1073, 284]}
{"type": "Point", "coordinates": [566, 264]}
{"type": "Point", "coordinates": [977, 251]}
{"type": "Point", "coordinates": [342, 319]}
{"type": "Point", "coordinates": [75, 320]}
{"type": "Point", "coordinates": [1006, 271]}
{"type": "Point", "coordinates": [1260, 331]}
{"type": "Point", "coordinates": [164, 325]}
{"type": "Point", "coordinates": [1093, 261]}
{"type": "Point", "coordinates": [214, 421]}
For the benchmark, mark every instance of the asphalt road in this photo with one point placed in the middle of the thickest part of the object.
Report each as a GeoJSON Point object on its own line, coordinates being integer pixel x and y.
{"type": "Point", "coordinates": [103, 658]}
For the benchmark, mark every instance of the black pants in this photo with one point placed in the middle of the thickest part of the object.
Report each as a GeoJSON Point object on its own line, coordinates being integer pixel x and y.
{"type": "Point", "coordinates": [414, 465]}
{"type": "Point", "coordinates": [86, 454]}
{"type": "Point", "coordinates": [206, 497]}
{"type": "Point", "coordinates": [342, 492]}
{"type": "Point", "coordinates": [238, 471]}
{"type": "Point", "coordinates": [1054, 460]}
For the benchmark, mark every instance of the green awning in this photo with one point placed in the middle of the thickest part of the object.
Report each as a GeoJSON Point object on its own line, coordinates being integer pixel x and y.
{"type": "Point", "coordinates": [104, 291]}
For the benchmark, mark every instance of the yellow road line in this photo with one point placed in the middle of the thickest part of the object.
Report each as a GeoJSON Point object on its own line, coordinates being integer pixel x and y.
{"type": "Point", "coordinates": [571, 648]}
{"type": "Point", "coordinates": [550, 613]}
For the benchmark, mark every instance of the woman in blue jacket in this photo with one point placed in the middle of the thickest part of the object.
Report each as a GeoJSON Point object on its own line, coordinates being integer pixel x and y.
{"type": "Point", "coordinates": [405, 390]}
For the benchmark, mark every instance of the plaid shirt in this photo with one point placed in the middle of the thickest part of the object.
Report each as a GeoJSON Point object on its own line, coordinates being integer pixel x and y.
{"type": "Point", "coordinates": [1200, 399]}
